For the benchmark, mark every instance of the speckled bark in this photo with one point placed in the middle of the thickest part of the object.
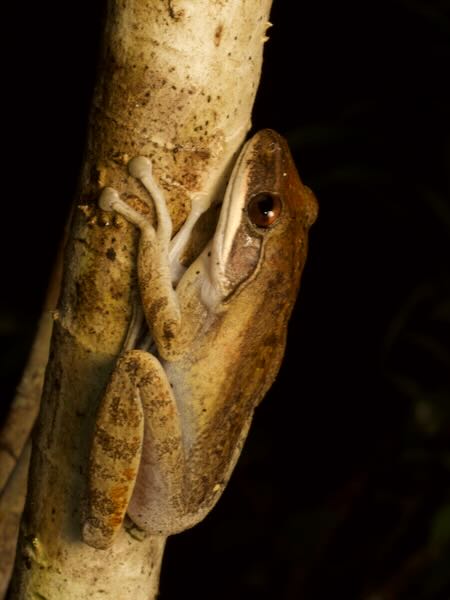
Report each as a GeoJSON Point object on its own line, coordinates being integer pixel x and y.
{"type": "Point", "coordinates": [176, 83]}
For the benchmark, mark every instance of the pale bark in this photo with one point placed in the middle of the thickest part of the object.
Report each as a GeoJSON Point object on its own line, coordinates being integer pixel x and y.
{"type": "Point", "coordinates": [177, 82]}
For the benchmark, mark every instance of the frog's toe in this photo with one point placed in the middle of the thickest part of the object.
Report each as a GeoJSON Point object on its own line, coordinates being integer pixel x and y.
{"type": "Point", "coordinates": [108, 198]}
{"type": "Point", "coordinates": [140, 167]}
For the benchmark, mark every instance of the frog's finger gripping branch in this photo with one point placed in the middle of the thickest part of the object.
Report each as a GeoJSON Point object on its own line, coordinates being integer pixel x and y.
{"type": "Point", "coordinates": [140, 167]}
{"type": "Point", "coordinates": [110, 201]}
{"type": "Point", "coordinates": [158, 297]}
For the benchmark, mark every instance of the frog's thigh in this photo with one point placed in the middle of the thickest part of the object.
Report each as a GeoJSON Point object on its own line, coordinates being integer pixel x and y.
{"type": "Point", "coordinates": [116, 450]}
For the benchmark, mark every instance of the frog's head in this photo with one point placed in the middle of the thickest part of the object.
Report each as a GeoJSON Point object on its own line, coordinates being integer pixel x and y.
{"type": "Point", "coordinates": [263, 223]}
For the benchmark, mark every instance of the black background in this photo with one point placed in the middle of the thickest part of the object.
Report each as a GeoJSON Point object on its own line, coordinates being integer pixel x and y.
{"type": "Point", "coordinates": [343, 489]}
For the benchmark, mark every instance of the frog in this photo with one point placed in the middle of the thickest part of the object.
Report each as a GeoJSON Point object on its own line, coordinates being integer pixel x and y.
{"type": "Point", "coordinates": [175, 414]}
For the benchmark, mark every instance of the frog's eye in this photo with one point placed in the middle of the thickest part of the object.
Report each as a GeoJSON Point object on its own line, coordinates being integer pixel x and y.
{"type": "Point", "coordinates": [264, 209]}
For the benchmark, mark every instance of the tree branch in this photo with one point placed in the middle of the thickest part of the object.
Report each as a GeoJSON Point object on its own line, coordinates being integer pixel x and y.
{"type": "Point", "coordinates": [177, 82]}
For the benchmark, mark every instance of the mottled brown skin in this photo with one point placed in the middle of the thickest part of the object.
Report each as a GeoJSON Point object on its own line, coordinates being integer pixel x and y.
{"type": "Point", "coordinates": [219, 351]}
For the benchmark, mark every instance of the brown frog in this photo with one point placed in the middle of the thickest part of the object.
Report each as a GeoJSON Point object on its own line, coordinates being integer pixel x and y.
{"type": "Point", "coordinates": [174, 417]}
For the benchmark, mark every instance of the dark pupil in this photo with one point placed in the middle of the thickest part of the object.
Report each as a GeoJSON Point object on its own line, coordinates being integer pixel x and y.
{"type": "Point", "coordinates": [264, 210]}
{"type": "Point", "coordinates": [265, 206]}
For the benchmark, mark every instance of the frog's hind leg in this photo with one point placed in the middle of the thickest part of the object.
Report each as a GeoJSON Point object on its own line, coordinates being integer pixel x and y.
{"type": "Point", "coordinates": [138, 409]}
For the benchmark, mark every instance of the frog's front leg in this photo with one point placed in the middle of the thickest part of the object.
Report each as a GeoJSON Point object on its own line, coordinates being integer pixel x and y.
{"type": "Point", "coordinates": [155, 271]}
{"type": "Point", "coordinates": [137, 453]}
